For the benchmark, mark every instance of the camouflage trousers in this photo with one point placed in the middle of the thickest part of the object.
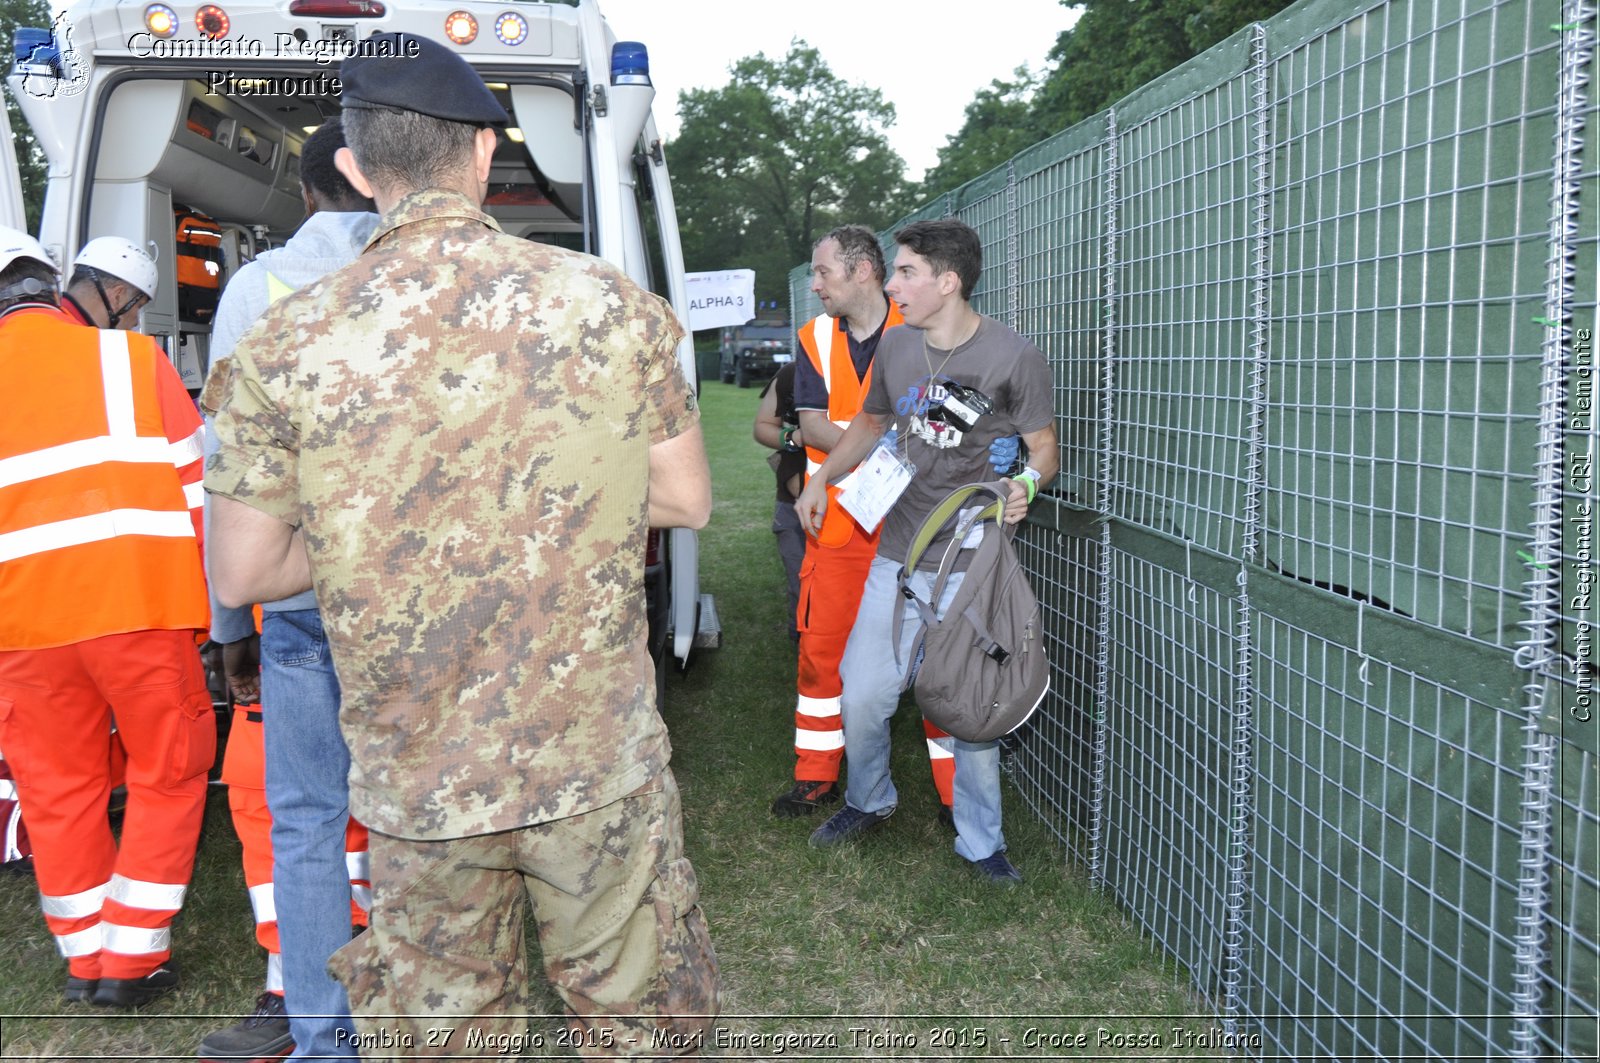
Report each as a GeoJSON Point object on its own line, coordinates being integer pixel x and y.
{"type": "Point", "coordinates": [442, 969]}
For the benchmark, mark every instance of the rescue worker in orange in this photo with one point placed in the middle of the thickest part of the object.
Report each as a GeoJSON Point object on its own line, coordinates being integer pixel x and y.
{"type": "Point", "coordinates": [847, 275]}
{"type": "Point", "coordinates": [110, 282]}
{"type": "Point", "coordinates": [101, 593]}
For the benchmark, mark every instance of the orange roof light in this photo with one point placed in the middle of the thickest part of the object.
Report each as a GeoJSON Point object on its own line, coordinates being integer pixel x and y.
{"type": "Point", "coordinates": [160, 20]}
{"type": "Point", "coordinates": [461, 27]}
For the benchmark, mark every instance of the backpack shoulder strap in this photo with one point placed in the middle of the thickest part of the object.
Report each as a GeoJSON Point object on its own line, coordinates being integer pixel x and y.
{"type": "Point", "coordinates": [941, 514]}
{"type": "Point", "coordinates": [949, 507]}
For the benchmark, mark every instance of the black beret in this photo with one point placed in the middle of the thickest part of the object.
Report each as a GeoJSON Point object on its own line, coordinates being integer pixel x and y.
{"type": "Point", "coordinates": [405, 72]}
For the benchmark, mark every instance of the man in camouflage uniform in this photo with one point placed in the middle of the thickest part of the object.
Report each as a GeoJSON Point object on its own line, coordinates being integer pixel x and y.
{"type": "Point", "coordinates": [463, 436]}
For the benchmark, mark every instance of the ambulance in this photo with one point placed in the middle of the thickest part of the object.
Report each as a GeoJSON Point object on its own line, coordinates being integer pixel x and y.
{"type": "Point", "coordinates": [178, 125]}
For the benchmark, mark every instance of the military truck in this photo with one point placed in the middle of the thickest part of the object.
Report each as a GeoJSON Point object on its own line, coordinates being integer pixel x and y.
{"type": "Point", "coordinates": [755, 352]}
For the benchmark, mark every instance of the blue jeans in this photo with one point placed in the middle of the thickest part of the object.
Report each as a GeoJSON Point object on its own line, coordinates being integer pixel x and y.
{"type": "Point", "coordinates": [308, 767]}
{"type": "Point", "coordinates": [873, 681]}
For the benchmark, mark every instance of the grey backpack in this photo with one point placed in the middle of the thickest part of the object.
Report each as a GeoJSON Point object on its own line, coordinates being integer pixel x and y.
{"type": "Point", "coordinates": [979, 670]}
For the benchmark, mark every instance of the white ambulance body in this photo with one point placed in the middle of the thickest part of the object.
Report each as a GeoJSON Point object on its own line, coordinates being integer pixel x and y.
{"type": "Point", "coordinates": [145, 107]}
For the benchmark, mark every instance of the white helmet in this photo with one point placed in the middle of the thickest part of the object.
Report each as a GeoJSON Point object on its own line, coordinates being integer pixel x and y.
{"type": "Point", "coordinates": [122, 259]}
{"type": "Point", "coordinates": [15, 244]}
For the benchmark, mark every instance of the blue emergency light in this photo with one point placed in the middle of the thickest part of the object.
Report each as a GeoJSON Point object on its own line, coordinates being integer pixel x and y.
{"type": "Point", "coordinates": [630, 63]}
{"type": "Point", "coordinates": [34, 51]}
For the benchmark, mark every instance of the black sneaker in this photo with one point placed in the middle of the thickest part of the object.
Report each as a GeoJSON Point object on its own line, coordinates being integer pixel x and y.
{"type": "Point", "coordinates": [804, 799]}
{"type": "Point", "coordinates": [261, 1037]}
{"type": "Point", "coordinates": [947, 818]}
{"type": "Point", "coordinates": [136, 992]}
{"type": "Point", "coordinates": [997, 869]}
{"type": "Point", "coordinates": [845, 824]}
{"type": "Point", "coordinates": [79, 990]}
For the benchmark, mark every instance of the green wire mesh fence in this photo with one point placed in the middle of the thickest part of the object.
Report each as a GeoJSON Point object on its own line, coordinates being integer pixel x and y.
{"type": "Point", "coordinates": [1318, 566]}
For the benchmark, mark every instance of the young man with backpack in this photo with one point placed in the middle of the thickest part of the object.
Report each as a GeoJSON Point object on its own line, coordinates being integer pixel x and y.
{"type": "Point", "coordinates": [950, 384]}
{"type": "Point", "coordinates": [833, 371]}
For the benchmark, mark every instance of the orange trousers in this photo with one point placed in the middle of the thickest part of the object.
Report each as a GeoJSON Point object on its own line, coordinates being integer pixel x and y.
{"type": "Point", "coordinates": [831, 581]}
{"type": "Point", "coordinates": [110, 906]}
{"type": "Point", "coordinates": [244, 768]}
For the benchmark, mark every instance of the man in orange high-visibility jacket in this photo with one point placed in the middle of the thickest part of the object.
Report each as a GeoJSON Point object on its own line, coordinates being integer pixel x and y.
{"type": "Point", "coordinates": [847, 275]}
{"type": "Point", "coordinates": [111, 281]}
{"type": "Point", "coordinates": [101, 593]}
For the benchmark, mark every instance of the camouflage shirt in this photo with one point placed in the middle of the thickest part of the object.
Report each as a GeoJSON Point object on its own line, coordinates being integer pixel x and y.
{"type": "Point", "coordinates": [459, 421]}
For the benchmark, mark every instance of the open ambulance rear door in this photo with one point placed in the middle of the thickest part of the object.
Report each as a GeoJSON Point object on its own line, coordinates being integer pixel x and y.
{"type": "Point", "coordinates": [12, 213]}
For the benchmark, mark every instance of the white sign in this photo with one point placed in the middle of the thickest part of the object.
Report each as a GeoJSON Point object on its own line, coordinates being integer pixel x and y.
{"type": "Point", "coordinates": [721, 298]}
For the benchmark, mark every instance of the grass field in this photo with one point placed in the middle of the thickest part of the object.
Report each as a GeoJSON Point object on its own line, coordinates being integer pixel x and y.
{"type": "Point", "coordinates": [888, 949]}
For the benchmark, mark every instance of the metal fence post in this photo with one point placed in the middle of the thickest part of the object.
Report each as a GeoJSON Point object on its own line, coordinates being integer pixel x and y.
{"type": "Point", "coordinates": [1013, 250]}
{"type": "Point", "coordinates": [1108, 407]}
{"type": "Point", "coordinates": [1236, 926]}
{"type": "Point", "coordinates": [1539, 651]}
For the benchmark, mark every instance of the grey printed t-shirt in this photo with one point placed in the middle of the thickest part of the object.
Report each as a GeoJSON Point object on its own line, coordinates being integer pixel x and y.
{"type": "Point", "coordinates": [909, 385]}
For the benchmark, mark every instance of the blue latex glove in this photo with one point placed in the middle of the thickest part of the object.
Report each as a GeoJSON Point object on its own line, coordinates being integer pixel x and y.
{"type": "Point", "coordinates": [1003, 453]}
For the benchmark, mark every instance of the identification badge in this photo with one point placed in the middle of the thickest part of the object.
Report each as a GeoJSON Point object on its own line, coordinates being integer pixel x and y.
{"type": "Point", "coordinates": [869, 492]}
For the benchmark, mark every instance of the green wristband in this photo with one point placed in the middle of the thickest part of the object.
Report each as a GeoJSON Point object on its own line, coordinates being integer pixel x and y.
{"type": "Point", "coordinates": [1031, 483]}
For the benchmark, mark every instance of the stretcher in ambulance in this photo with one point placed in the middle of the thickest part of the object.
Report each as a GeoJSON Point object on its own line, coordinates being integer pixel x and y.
{"type": "Point", "coordinates": [178, 125]}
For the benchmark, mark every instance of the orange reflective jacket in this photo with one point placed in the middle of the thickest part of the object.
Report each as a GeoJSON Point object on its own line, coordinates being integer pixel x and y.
{"type": "Point", "coordinates": [829, 350]}
{"type": "Point", "coordinates": [100, 486]}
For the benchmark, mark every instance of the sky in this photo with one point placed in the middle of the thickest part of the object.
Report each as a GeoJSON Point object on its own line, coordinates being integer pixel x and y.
{"type": "Point", "coordinates": [919, 55]}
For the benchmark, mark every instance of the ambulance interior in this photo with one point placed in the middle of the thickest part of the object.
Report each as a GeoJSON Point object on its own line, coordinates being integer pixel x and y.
{"type": "Point", "coordinates": [166, 145]}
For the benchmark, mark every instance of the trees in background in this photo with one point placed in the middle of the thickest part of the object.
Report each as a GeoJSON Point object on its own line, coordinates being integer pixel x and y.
{"type": "Point", "coordinates": [30, 157]}
{"type": "Point", "coordinates": [999, 123]}
{"type": "Point", "coordinates": [786, 150]}
{"type": "Point", "coordinates": [766, 164]}
{"type": "Point", "coordinates": [1116, 46]}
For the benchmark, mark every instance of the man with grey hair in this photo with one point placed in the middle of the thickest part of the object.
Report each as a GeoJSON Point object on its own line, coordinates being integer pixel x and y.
{"type": "Point", "coordinates": [463, 437]}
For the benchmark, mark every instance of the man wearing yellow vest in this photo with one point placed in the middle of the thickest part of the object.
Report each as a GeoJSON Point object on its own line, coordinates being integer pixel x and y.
{"type": "Point", "coordinates": [847, 275]}
{"type": "Point", "coordinates": [101, 592]}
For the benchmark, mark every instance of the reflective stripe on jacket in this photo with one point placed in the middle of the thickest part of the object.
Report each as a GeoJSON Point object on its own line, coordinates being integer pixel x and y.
{"type": "Point", "coordinates": [100, 486]}
{"type": "Point", "coordinates": [829, 352]}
